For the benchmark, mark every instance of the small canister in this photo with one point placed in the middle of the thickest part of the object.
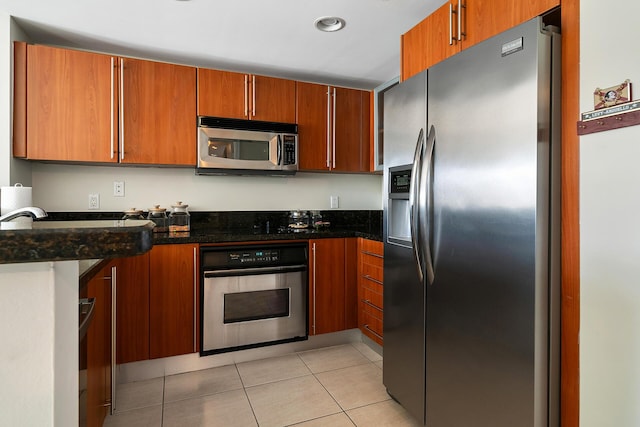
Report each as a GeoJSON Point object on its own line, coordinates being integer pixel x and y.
{"type": "Point", "coordinates": [133, 213]}
{"type": "Point", "coordinates": [179, 218]}
{"type": "Point", "coordinates": [298, 220]}
{"type": "Point", "coordinates": [159, 216]}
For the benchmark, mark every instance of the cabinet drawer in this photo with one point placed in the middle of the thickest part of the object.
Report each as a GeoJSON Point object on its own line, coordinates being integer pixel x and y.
{"type": "Point", "coordinates": [371, 259]}
{"type": "Point", "coordinates": [372, 297]}
{"type": "Point", "coordinates": [372, 284]}
{"type": "Point", "coordinates": [372, 246]}
{"type": "Point", "coordinates": [372, 272]}
{"type": "Point", "coordinates": [371, 323]}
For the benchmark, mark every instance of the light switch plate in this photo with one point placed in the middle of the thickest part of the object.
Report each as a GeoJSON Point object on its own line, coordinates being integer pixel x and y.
{"type": "Point", "coordinates": [335, 202]}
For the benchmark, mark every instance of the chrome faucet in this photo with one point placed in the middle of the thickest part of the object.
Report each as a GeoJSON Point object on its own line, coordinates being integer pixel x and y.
{"type": "Point", "coordinates": [32, 211]}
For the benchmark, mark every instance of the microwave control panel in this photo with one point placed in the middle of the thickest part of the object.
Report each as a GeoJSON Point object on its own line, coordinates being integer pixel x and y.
{"type": "Point", "coordinates": [288, 150]}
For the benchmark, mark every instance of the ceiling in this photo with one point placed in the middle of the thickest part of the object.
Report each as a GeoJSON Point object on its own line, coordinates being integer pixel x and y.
{"type": "Point", "coordinates": [271, 37]}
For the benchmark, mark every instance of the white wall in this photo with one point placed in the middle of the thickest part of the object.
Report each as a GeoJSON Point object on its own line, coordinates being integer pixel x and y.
{"type": "Point", "coordinates": [11, 170]}
{"type": "Point", "coordinates": [609, 225]}
{"type": "Point", "coordinates": [66, 188]}
{"type": "Point", "coordinates": [39, 351]}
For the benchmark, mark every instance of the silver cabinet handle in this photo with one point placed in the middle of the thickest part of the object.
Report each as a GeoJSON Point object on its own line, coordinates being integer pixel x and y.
{"type": "Point", "coordinates": [371, 330]}
{"type": "Point", "coordinates": [414, 192]}
{"type": "Point", "coordinates": [121, 109]}
{"type": "Point", "coordinates": [460, 7]}
{"type": "Point", "coordinates": [114, 286]}
{"type": "Point", "coordinates": [328, 127]}
{"type": "Point", "coordinates": [253, 90]}
{"type": "Point", "coordinates": [372, 254]}
{"type": "Point", "coordinates": [246, 95]}
{"type": "Point", "coordinates": [112, 106]}
{"type": "Point", "coordinates": [370, 304]}
{"type": "Point", "coordinates": [195, 300]}
{"type": "Point", "coordinates": [334, 128]}
{"type": "Point", "coordinates": [451, 12]}
{"type": "Point", "coordinates": [366, 276]}
{"type": "Point", "coordinates": [314, 288]}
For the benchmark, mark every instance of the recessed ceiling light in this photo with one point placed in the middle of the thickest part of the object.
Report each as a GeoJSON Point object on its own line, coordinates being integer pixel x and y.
{"type": "Point", "coordinates": [329, 24]}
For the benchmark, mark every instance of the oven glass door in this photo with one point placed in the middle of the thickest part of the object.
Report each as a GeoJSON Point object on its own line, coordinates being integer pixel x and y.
{"type": "Point", "coordinates": [256, 305]}
{"type": "Point", "coordinates": [248, 310]}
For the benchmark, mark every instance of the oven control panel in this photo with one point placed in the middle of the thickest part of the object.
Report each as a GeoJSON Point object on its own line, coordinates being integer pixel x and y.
{"type": "Point", "coordinates": [267, 255]}
{"type": "Point", "coordinates": [253, 256]}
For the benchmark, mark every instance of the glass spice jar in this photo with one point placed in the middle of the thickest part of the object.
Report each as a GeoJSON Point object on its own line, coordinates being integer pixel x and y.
{"type": "Point", "coordinates": [159, 216]}
{"type": "Point", "coordinates": [133, 213]}
{"type": "Point", "coordinates": [179, 218]}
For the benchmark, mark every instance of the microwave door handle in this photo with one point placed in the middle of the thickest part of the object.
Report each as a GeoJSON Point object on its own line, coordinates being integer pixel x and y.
{"type": "Point", "coordinates": [279, 150]}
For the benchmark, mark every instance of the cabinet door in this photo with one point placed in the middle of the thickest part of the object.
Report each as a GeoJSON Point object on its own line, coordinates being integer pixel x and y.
{"type": "Point", "coordinates": [172, 282]}
{"type": "Point", "coordinates": [327, 293]}
{"type": "Point", "coordinates": [223, 94]}
{"type": "Point", "coordinates": [347, 144]}
{"type": "Point", "coordinates": [158, 102]}
{"type": "Point", "coordinates": [99, 348]}
{"type": "Point", "coordinates": [70, 105]}
{"type": "Point", "coordinates": [482, 19]}
{"type": "Point", "coordinates": [272, 99]}
{"type": "Point", "coordinates": [312, 113]}
{"type": "Point", "coordinates": [429, 42]}
{"type": "Point", "coordinates": [132, 309]}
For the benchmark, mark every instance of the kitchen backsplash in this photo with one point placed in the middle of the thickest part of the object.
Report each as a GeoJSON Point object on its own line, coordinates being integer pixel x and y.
{"type": "Point", "coordinates": [62, 188]}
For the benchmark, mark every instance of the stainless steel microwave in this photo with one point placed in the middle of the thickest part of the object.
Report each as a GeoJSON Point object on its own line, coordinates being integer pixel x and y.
{"type": "Point", "coordinates": [246, 147]}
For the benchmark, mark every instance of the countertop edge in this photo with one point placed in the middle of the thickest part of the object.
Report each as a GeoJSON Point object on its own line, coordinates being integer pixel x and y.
{"type": "Point", "coordinates": [75, 243]}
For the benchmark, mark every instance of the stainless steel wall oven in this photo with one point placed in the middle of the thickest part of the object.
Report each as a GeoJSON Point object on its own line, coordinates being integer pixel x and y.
{"type": "Point", "coordinates": [252, 295]}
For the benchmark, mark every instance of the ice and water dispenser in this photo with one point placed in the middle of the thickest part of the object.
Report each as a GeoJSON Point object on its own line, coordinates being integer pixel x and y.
{"type": "Point", "coordinates": [398, 217]}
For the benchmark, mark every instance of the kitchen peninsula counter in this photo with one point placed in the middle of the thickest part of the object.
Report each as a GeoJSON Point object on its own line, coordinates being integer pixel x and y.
{"type": "Point", "coordinates": [73, 240]}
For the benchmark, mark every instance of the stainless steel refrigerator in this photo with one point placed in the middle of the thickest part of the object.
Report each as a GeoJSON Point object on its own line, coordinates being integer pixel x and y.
{"type": "Point", "coordinates": [471, 233]}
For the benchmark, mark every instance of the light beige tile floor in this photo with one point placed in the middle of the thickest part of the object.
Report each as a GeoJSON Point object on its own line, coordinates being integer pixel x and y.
{"type": "Point", "coordinates": [334, 386]}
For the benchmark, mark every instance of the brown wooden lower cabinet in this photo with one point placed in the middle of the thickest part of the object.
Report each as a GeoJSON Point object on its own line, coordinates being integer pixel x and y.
{"type": "Point", "coordinates": [172, 300]}
{"type": "Point", "coordinates": [370, 288]}
{"type": "Point", "coordinates": [332, 285]}
{"type": "Point", "coordinates": [157, 303]}
{"type": "Point", "coordinates": [98, 349]}
{"type": "Point", "coordinates": [132, 309]}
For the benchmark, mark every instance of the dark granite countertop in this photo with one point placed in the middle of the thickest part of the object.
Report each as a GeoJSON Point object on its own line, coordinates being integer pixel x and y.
{"type": "Point", "coordinates": [73, 240]}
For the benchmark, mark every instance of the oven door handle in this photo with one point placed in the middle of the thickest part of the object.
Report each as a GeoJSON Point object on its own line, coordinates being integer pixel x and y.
{"type": "Point", "coordinates": [255, 271]}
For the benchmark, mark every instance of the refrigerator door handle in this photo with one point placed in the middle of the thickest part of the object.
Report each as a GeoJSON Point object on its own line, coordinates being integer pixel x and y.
{"type": "Point", "coordinates": [425, 214]}
{"type": "Point", "coordinates": [414, 196]}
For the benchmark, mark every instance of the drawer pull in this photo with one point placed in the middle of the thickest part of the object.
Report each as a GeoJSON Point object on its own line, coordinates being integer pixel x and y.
{"type": "Point", "coordinates": [366, 276]}
{"type": "Point", "coordinates": [371, 330]}
{"type": "Point", "coordinates": [372, 254]}
{"type": "Point", "coordinates": [369, 303]}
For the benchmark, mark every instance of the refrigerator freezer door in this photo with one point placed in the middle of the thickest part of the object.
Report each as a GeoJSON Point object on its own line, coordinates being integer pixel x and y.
{"type": "Point", "coordinates": [405, 117]}
{"type": "Point", "coordinates": [486, 310]}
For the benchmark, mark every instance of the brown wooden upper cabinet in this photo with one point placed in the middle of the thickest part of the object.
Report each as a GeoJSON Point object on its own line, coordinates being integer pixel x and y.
{"type": "Point", "coordinates": [333, 128]}
{"type": "Point", "coordinates": [87, 107]}
{"type": "Point", "coordinates": [459, 24]}
{"type": "Point", "coordinates": [157, 113]}
{"type": "Point", "coordinates": [66, 105]}
{"type": "Point", "coordinates": [246, 96]}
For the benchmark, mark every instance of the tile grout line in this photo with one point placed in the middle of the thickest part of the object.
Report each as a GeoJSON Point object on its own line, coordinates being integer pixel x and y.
{"type": "Point", "coordinates": [244, 389]}
{"type": "Point", "coordinates": [164, 384]}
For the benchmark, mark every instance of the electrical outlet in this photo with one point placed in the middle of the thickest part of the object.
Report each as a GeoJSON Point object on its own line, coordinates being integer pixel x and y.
{"type": "Point", "coordinates": [335, 202]}
{"type": "Point", "coordinates": [94, 201]}
{"type": "Point", "coordinates": [118, 188]}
